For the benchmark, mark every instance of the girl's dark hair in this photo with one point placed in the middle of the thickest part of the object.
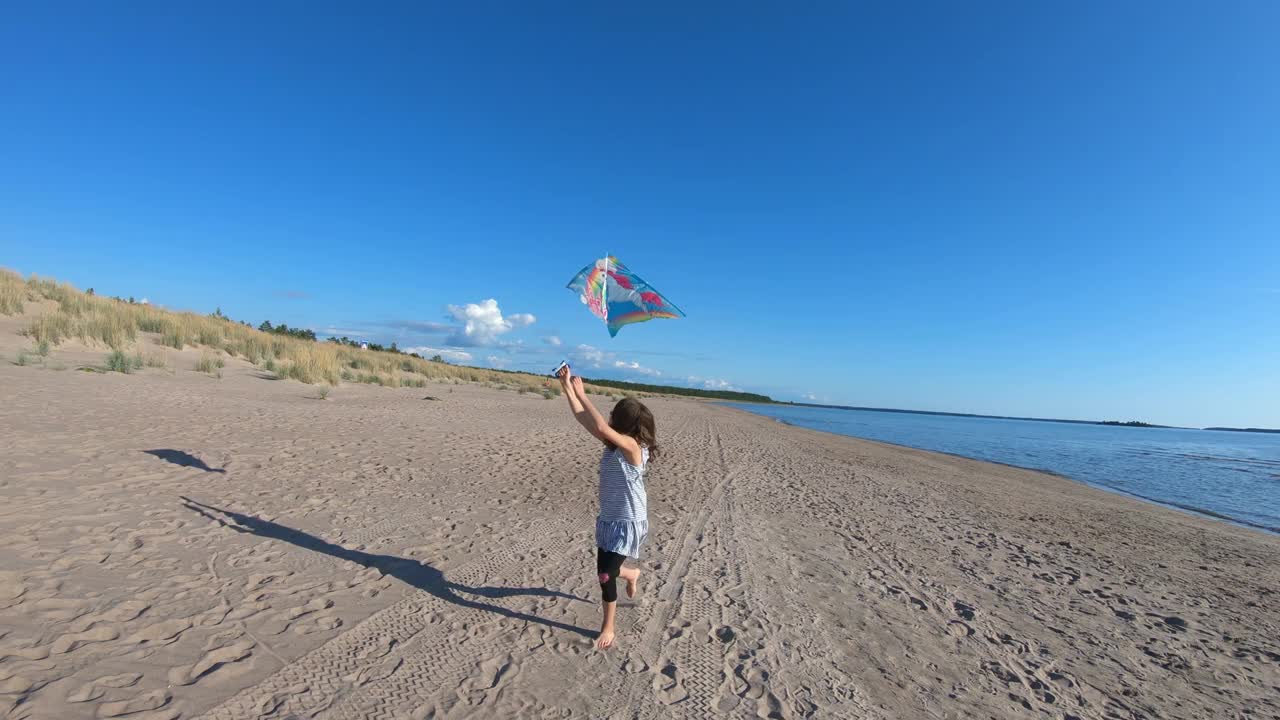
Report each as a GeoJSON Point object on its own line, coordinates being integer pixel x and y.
{"type": "Point", "coordinates": [631, 417]}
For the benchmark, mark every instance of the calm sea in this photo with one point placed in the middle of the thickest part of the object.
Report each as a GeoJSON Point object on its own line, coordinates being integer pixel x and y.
{"type": "Point", "coordinates": [1227, 474]}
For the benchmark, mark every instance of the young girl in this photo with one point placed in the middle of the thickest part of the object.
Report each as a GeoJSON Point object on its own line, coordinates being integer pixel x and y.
{"type": "Point", "coordinates": [629, 439]}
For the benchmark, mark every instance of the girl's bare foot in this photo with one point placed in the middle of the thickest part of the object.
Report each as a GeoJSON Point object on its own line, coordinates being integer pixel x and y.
{"type": "Point", "coordinates": [632, 576]}
{"type": "Point", "coordinates": [604, 639]}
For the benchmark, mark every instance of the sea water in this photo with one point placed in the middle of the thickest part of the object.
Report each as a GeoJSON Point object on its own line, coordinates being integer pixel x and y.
{"type": "Point", "coordinates": [1231, 475]}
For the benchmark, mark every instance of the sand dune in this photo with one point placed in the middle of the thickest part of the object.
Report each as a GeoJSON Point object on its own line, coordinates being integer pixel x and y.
{"type": "Point", "coordinates": [182, 546]}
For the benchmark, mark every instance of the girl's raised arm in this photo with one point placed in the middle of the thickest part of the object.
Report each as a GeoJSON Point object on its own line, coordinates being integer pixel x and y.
{"type": "Point", "coordinates": [591, 419]}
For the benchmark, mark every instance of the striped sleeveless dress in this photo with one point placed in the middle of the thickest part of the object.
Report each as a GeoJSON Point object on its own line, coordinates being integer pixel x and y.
{"type": "Point", "coordinates": [623, 523]}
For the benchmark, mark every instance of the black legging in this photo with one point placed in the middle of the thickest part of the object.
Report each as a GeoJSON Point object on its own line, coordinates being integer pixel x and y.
{"type": "Point", "coordinates": [608, 565]}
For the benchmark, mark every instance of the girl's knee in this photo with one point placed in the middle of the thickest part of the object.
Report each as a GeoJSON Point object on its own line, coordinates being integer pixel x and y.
{"type": "Point", "coordinates": [609, 587]}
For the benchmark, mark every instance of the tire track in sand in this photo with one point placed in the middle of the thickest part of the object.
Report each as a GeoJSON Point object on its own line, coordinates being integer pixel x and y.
{"type": "Point", "coordinates": [668, 690]}
{"type": "Point", "coordinates": [397, 657]}
{"type": "Point", "coordinates": [318, 679]}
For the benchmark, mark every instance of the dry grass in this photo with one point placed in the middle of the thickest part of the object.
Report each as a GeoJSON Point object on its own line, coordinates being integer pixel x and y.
{"type": "Point", "coordinates": [209, 363]}
{"type": "Point", "coordinates": [13, 292]}
{"type": "Point", "coordinates": [155, 359]}
{"type": "Point", "coordinates": [116, 324]}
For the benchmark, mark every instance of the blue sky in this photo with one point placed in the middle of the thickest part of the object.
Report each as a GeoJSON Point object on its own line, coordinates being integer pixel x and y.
{"type": "Point", "coordinates": [1048, 209]}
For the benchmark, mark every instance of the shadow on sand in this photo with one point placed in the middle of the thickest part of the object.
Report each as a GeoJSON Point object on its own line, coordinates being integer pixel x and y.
{"type": "Point", "coordinates": [411, 572]}
{"type": "Point", "coordinates": [185, 459]}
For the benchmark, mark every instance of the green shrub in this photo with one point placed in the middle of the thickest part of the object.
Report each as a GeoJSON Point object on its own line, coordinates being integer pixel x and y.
{"type": "Point", "coordinates": [117, 361]}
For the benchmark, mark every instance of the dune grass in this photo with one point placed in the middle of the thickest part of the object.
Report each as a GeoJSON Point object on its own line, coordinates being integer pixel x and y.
{"type": "Point", "coordinates": [209, 363]}
{"type": "Point", "coordinates": [121, 362]}
{"type": "Point", "coordinates": [155, 359]}
{"type": "Point", "coordinates": [66, 313]}
{"type": "Point", "coordinates": [13, 292]}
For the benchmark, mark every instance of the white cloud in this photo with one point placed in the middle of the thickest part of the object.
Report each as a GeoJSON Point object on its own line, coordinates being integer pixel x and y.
{"type": "Point", "coordinates": [592, 356]}
{"type": "Point", "coordinates": [144, 301]}
{"type": "Point", "coordinates": [711, 383]}
{"type": "Point", "coordinates": [810, 397]}
{"type": "Point", "coordinates": [447, 354]}
{"type": "Point", "coordinates": [483, 323]}
{"type": "Point", "coordinates": [498, 362]}
{"type": "Point", "coordinates": [552, 340]}
{"type": "Point", "coordinates": [636, 367]}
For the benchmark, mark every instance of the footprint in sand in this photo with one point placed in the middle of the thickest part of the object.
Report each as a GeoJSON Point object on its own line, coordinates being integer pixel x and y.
{"type": "Point", "coordinates": [281, 622]}
{"type": "Point", "coordinates": [319, 623]}
{"type": "Point", "coordinates": [215, 615]}
{"type": "Point", "coordinates": [272, 703]}
{"type": "Point", "coordinates": [222, 639]}
{"type": "Point", "coordinates": [161, 633]}
{"type": "Point", "coordinates": [211, 661]}
{"type": "Point", "coordinates": [750, 683]}
{"type": "Point", "coordinates": [97, 688]}
{"type": "Point", "coordinates": [153, 700]}
{"type": "Point", "coordinates": [634, 664]}
{"type": "Point", "coordinates": [490, 674]}
{"type": "Point", "coordinates": [666, 683]}
{"type": "Point", "coordinates": [379, 649]}
{"type": "Point", "coordinates": [73, 641]}
{"type": "Point", "coordinates": [12, 588]}
{"type": "Point", "coordinates": [15, 685]}
{"type": "Point", "coordinates": [248, 610]}
{"type": "Point", "coordinates": [257, 580]}
{"type": "Point", "coordinates": [126, 611]}
{"type": "Point", "coordinates": [26, 651]}
{"type": "Point", "coordinates": [60, 610]}
{"type": "Point", "coordinates": [676, 630]}
{"type": "Point", "coordinates": [374, 673]}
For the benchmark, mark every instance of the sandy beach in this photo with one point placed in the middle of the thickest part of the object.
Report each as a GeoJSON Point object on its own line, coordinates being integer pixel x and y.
{"type": "Point", "coordinates": [177, 545]}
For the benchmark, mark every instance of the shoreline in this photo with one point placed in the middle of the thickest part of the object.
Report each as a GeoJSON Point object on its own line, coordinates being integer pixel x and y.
{"type": "Point", "coordinates": [1191, 510]}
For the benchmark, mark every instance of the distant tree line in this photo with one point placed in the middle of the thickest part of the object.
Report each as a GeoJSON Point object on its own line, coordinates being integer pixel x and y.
{"type": "Point", "coordinates": [378, 347]}
{"type": "Point", "coordinates": [283, 329]}
{"type": "Point", "coordinates": [689, 392]}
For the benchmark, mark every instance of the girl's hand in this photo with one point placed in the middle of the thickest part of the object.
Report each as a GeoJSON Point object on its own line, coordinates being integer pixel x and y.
{"type": "Point", "coordinates": [565, 375]}
{"type": "Point", "coordinates": [577, 385]}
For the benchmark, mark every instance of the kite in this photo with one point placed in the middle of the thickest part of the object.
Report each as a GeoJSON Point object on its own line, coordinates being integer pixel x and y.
{"type": "Point", "coordinates": [618, 296]}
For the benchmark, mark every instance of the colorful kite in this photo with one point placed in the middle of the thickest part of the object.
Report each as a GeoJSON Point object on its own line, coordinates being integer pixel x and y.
{"type": "Point", "coordinates": [618, 296]}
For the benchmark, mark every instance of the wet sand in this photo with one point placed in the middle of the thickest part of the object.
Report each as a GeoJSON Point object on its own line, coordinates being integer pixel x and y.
{"type": "Point", "coordinates": [181, 546]}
